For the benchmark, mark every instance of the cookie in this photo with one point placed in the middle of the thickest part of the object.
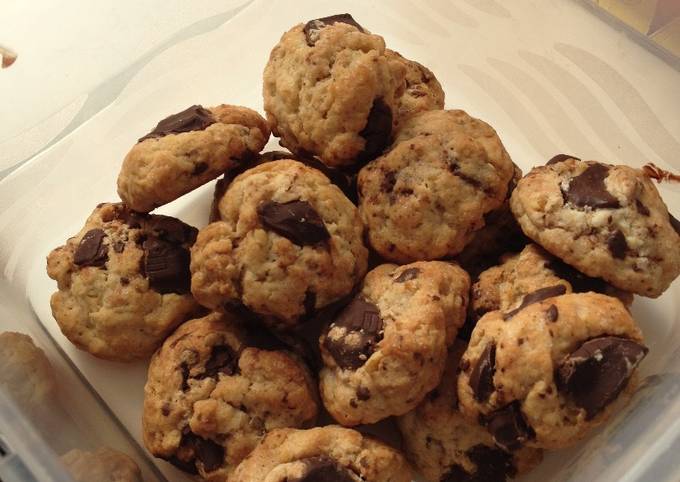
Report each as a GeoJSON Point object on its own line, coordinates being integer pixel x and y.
{"type": "Point", "coordinates": [331, 91]}
{"type": "Point", "coordinates": [328, 454]}
{"type": "Point", "coordinates": [288, 244]}
{"type": "Point", "coordinates": [211, 396]}
{"type": "Point", "coordinates": [186, 150]}
{"type": "Point", "coordinates": [387, 348]}
{"type": "Point", "coordinates": [421, 91]}
{"type": "Point", "coordinates": [123, 282]}
{"type": "Point", "coordinates": [607, 221]}
{"type": "Point", "coordinates": [428, 195]}
{"type": "Point", "coordinates": [533, 270]}
{"type": "Point", "coordinates": [102, 465]}
{"type": "Point", "coordinates": [445, 446]}
{"type": "Point", "coordinates": [26, 374]}
{"type": "Point", "coordinates": [546, 374]}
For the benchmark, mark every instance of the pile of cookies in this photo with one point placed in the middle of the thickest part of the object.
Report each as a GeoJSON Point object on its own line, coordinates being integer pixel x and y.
{"type": "Point", "coordinates": [393, 265]}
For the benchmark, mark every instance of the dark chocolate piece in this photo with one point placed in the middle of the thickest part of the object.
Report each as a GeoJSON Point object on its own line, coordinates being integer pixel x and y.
{"type": "Point", "coordinates": [311, 28]}
{"type": "Point", "coordinates": [222, 360]}
{"type": "Point", "coordinates": [481, 378]}
{"type": "Point", "coordinates": [294, 220]}
{"type": "Point", "coordinates": [588, 189]}
{"type": "Point", "coordinates": [362, 318]}
{"type": "Point", "coordinates": [536, 296]}
{"type": "Point", "coordinates": [596, 372]}
{"type": "Point", "coordinates": [324, 469]}
{"type": "Point", "coordinates": [560, 158]}
{"type": "Point", "coordinates": [407, 275]}
{"type": "Point", "coordinates": [493, 465]}
{"type": "Point", "coordinates": [166, 265]}
{"type": "Point", "coordinates": [377, 132]}
{"type": "Point", "coordinates": [552, 313]}
{"type": "Point", "coordinates": [195, 118]}
{"type": "Point", "coordinates": [363, 393]}
{"type": "Point", "coordinates": [509, 429]}
{"type": "Point", "coordinates": [617, 245]}
{"type": "Point", "coordinates": [641, 208]}
{"type": "Point", "coordinates": [91, 250]}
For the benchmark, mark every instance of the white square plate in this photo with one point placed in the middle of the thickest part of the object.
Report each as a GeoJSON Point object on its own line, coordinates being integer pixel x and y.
{"type": "Point", "coordinates": [549, 76]}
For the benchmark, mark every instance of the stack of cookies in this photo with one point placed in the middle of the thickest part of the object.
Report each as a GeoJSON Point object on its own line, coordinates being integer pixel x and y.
{"type": "Point", "coordinates": [393, 265]}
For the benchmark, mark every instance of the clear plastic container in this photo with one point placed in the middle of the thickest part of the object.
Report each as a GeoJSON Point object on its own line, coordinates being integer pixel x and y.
{"type": "Point", "coordinates": [550, 76]}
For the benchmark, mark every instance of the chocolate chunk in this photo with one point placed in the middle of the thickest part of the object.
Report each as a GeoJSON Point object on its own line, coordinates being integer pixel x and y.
{"type": "Point", "coordinates": [481, 378]}
{"type": "Point", "coordinates": [294, 220]}
{"type": "Point", "coordinates": [311, 28]}
{"type": "Point", "coordinates": [560, 158]}
{"type": "Point", "coordinates": [407, 275]}
{"type": "Point", "coordinates": [377, 132]}
{"type": "Point", "coordinates": [222, 360]}
{"type": "Point", "coordinates": [169, 229]}
{"type": "Point", "coordinates": [641, 208]}
{"type": "Point", "coordinates": [674, 222]}
{"type": "Point", "coordinates": [552, 313]}
{"type": "Point", "coordinates": [509, 429]}
{"type": "Point", "coordinates": [617, 245]}
{"type": "Point", "coordinates": [324, 469]}
{"type": "Point", "coordinates": [588, 189]}
{"type": "Point", "coordinates": [595, 373]}
{"type": "Point", "coordinates": [220, 188]}
{"type": "Point", "coordinates": [492, 465]}
{"type": "Point", "coordinates": [363, 393]}
{"type": "Point", "coordinates": [199, 168]}
{"type": "Point", "coordinates": [185, 376]}
{"type": "Point", "coordinates": [388, 182]}
{"type": "Point", "coordinates": [166, 265]}
{"type": "Point", "coordinates": [195, 118]}
{"type": "Point", "coordinates": [194, 449]}
{"type": "Point", "coordinates": [186, 466]}
{"type": "Point", "coordinates": [91, 250]}
{"type": "Point", "coordinates": [538, 295]}
{"type": "Point", "coordinates": [362, 319]}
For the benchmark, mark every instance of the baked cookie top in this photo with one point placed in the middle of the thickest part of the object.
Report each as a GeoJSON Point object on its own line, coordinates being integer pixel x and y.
{"type": "Point", "coordinates": [607, 221]}
{"type": "Point", "coordinates": [421, 89]}
{"type": "Point", "coordinates": [187, 150]}
{"type": "Point", "coordinates": [387, 348]}
{"type": "Point", "coordinates": [288, 243]}
{"type": "Point", "coordinates": [210, 397]}
{"type": "Point", "coordinates": [102, 465]}
{"type": "Point", "coordinates": [446, 446]}
{"type": "Point", "coordinates": [329, 454]}
{"type": "Point", "coordinates": [123, 282]}
{"type": "Point", "coordinates": [330, 90]}
{"type": "Point", "coordinates": [426, 197]}
{"type": "Point", "coordinates": [546, 374]}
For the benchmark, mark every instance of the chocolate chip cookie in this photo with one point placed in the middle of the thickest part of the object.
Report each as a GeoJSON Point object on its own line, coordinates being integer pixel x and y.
{"type": "Point", "coordinates": [446, 446]}
{"type": "Point", "coordinates": [328, 454]}
{"type": "Point", "coordinates": [211, 397]}
{"type": "Point", "coordinates": [387, 348]}
{"type": "Point", "coordinates": [607, 221]}
{"type": "Point", "coordinates": [26, 375]}
{"type": "Point", "coordinates": [331, 91]}
{"type": "Point", "coordinates": [420, 89]}
{"type": "Point", "coordinates": [187, 150]}
{"type": "Point", "coordinates": [529, 276]}
{"type": "Point", "coordinates": [546, 374]}
{"type": "Point", "coordinates": [428, 195]}
{"type": "Point", "coordinates": [103, 465]}
{"type": "Point", "coordinates": [123, 282]}
{"type": "Point", "coordinates": [288, 244]}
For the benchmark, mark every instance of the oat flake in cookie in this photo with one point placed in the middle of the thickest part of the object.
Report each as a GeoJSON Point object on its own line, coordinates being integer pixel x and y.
{"type": "Point", "coordinates": [428, 195]}
{"type": "Point", "coordinates": [322, 454]}
{"type": "Point", "coordinates": [211, 397]}
{"type": "Point", "coordinates": [331, 91]}
{"type": "Point", "coordinates": [446, 446]}
{"type": "Point", "coordinates": [288, 244]}
{"type": "Point", "coordinates": [187, 150]}
{"type": "Point", "coordinates": [546, 375]}
{"type": "Point", "coordinates": [607, 221]}
{"type": "Point", "coordinates": [387, 348]}
{"type": "Point", "coordinates": [123, 282]}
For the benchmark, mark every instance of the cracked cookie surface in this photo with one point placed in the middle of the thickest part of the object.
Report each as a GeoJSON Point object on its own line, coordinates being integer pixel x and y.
{"type": "Point", "coordinates": [426, 197]}
{"type": "Point", "coordinates": [329, 454]}
{"type": "Point", "coordinates": [607, 221]}
{"type": "Point", "coordinates": [288, 244]}
{"type": "Point", "coordinates": [186, 150]}
{"type": "Point", "coordinates": [446, 446]}
{"type": "Point", "coordinates": [330, 90]}
{"type": "Point", "coordinates": [387, 348]}
{"type": "Point", "coordinates": [123, 282]}
{"type": "Point", "coordinates": [545, 375]}
{"type": "Point", "coordinates": [210, 397]}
